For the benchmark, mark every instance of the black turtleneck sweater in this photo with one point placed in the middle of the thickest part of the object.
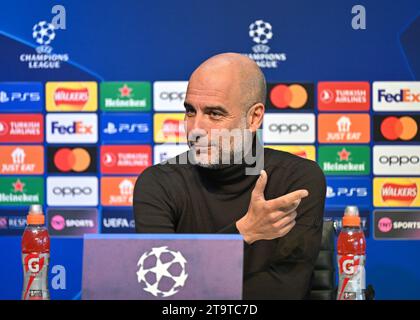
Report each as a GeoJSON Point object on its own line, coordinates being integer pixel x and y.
{"type": "Point", "coordinates": [186, 198]}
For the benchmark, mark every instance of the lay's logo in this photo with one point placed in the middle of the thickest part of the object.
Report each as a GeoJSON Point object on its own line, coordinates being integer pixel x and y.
{"type": "Point", "coordinates": [396, 192]}
{"type": "Point", "coordinates": [71, 96]}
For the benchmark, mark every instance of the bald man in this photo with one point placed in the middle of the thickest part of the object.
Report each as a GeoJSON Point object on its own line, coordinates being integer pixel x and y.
{"type": "Point", "coordinates": [210, 189]}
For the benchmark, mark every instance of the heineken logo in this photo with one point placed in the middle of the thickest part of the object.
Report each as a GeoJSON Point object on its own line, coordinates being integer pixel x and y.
{"type": "Point", "coordinates": [125, 96]}
{"type": "Point", "coordinates": [21, 191]}
{"type": "Point", "coordinates": [344, 160]}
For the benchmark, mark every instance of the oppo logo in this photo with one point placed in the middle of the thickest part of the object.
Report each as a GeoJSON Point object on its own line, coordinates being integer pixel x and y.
{"type": "Point", "coordinates": [72, 191]}
{"type": "Point", "coordinates": [171, 96]}
{"type": "Point", "coordinates": [399, 160]}
{"type": "Point", "coordinates": [288, 128]}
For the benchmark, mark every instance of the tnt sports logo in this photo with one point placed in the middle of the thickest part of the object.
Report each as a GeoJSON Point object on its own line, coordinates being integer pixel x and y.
{"type": "Point", "coordinates": [294, 96]}
{"type": "Point", "coordinates": [385, 224]}
{"type": "Point", "coordinates": [162, 272]}
{"type": "Point", "coordinates": [72, 128]}
{"type": "Point", "coordinates": [58, 222]}
{"type": "Point", "coordinates": [403, 128]}
{"type": "Point", "coordinates": [396, 96]}
{"type": "Point", "coordinates": [260, 31]}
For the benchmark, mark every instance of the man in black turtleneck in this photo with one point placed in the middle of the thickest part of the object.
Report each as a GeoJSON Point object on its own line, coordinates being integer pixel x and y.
{"type": "Point", "coordinates": [278, 212]}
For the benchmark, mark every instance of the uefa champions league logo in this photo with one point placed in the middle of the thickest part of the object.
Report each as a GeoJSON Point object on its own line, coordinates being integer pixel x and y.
{"type": "Point", "coordinates": [261, 32]}
{"type": "Point", "coordinates": [161, 271]}
{"type": "Point", "coordinates": [43, 32]}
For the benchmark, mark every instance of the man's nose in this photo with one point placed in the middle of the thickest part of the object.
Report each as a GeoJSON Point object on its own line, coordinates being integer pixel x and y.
{"type": "Point", "coordinates": [196, 128]}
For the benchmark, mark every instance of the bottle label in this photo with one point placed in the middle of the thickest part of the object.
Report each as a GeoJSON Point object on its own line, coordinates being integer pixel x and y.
{"type": "Point", "coordinates": [35, 267]}
{"type": "Point", "coordinates": [352, 277]}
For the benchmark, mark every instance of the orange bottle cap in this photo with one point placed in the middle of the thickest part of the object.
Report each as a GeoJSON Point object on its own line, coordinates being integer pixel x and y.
{"type": "Point", "coordinates": [351, 221]}
{"type": "Point", "coordinates": [35, 215]}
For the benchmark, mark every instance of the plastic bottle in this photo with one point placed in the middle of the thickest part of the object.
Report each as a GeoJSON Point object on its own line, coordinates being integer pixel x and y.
{"type": "Point", "coordinates": [35, 256]}
{"type": "Point", "coordinates": [351, 257]}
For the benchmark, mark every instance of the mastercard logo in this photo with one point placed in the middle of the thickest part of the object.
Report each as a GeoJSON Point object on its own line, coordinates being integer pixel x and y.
{"type": "Point", "coordinates": [77, 159]}
{"type": "Point", "coordinates": [293, 96]}
{"type": "Point", "coordinates": [404, 128]}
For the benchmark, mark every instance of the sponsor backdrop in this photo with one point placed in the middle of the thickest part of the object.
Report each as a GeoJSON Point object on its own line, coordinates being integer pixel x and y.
{"type": "Point", "coordinates": [92, 93]}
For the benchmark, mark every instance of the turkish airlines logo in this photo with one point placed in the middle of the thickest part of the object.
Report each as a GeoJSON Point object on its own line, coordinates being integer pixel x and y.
{"type": "Point", "coordinates": [72, 191]}
{"type": "Point", "coordinates": [343, 96]}
{"type": "Point", "coordinates": [295, 96]}
{"type": "Point", "coordinates": [127, 159]}
{"type": "Point", "coordinates": [396, 96]}
{"type": "Point", "coordinates": [21, 128]}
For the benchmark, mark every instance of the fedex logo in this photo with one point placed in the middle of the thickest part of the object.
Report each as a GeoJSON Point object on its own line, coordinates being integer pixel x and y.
{"type": "Point", "coordinates": [405, 95]}
{"type": "Point", "coordinates": [78, 127]}
{"type": "Point", "coordinates": [72, 128]}
{"type": "Point", "coordinates": [396, 96]}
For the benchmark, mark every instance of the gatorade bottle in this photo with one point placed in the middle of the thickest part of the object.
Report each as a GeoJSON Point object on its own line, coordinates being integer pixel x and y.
{"type": "Point", "coordinates": [35, 256]}
{"type": "Point", "coordinates": [351, 250]}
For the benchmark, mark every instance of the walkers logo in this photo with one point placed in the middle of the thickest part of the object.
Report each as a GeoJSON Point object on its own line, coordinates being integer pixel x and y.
{"type": "Point", "coordinates": [343, 96]}
{"type": "Point", "coordinates": [71, 96]}
{"type": "Point", "coordinates": [72, 128]}
{"type": "Point", "coordinates": [342, 192]}
{"type": "Point", "coordinates": [396, 96]}
{"type": "Point", "coordinates": [169, 127]}
{"type": "Point", "coordinates": [165, 152]}
{"type": "Point", "coordinates": [397, 224]}
{"type": "Point", "coordinates": [343, 128]}
{"type": "Point", "coordinates": [169, 95]}
{"type": "Point", "coordinates": [44, 33]}
{"type": "Point", "coordinates": [396, 160]}
{"type": "Point", "coordinates": [117, 191]}
{"type": "Point", "coordinates": [289, 128]}
{"type": "Point", "coordinates": [306, 152]}
{"type": "Point", "coordinates": [21, 191]}
{"type": "Point", "coordinates": [126, 127]}
{"type": "Point", "coordinates": [21, 128]}
{"type": "Point", "coordinates": [261, 32]}
{"type": "Point", "coordinates": [72, 222]}
{"type": "Point", "coordinates": [21, 96]}
{"type": "Point", "coordinates": [295, 96]}
{"type": "Point", "coordinates": [72, 191]}
{"type": "Point", "coordinates": [337, 217]}
{"type": "Point", "coordinates": [396, 192]}
{"type": "Point", "coordinates": [72, 160]}
{"type": "Point", "coordinates": [21, 160]}
{"type": "Point", "coordinates": [128, 159]}
{"type": "Point", "coordinates": [125, 96]}
{"type": "Point", "coordinates": [118, 220]}
{"type": "Point", "coordinates": [396, 128]}
{"type": "Point", "coordinates": [344, 160]}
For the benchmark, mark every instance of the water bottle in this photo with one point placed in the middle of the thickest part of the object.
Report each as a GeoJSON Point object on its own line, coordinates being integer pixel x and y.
{"type": "Point", "coordinates": [35, 256]}
{"type": "Point", "coordinates": [351, 257]}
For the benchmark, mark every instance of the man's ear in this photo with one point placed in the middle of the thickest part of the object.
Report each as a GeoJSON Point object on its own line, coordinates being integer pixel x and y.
{"type": "Point", "coordinates": [255, 116]}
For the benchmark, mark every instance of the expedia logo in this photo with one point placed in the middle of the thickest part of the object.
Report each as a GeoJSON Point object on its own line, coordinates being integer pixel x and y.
{"type": "Point", "coordinates": [76, 97]}
{"type": "Point", "coordinates": [399, 192]}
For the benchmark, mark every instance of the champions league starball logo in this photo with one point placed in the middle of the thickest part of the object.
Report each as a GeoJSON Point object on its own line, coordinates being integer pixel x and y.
{"type": "Point", "coordinates": [261, 32]}
{"type": "Point", "coordinates": [44, 33]}
{"type": "Point", "coordinates": [161, 272]}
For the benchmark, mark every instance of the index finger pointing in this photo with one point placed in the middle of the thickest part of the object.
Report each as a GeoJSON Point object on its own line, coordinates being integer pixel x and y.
{"type": "Point", "coordinates": [287, 199]}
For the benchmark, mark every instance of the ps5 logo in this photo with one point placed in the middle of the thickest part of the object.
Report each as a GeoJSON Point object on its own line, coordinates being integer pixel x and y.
{"type": "Point", "coordinates": [19, 96]}
{"type": "Point", "coordinates": [112, 129]}
{"type": "Point", "coordinates": [346, 192]}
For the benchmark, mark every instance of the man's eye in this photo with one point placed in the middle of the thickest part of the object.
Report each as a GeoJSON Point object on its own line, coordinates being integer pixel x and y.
{"type": "Point", "coordinates": [215, 115]}
{"type": "Point", "coordinates": [190, 113]}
